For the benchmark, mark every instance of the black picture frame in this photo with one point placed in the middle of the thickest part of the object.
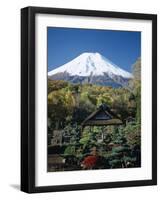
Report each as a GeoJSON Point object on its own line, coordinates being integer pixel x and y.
{"type": "Point", "coordinates": [28, 98]}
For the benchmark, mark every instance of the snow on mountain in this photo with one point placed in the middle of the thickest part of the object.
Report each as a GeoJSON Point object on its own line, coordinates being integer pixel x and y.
{"type": "Point", "coordinates": [91, 64]}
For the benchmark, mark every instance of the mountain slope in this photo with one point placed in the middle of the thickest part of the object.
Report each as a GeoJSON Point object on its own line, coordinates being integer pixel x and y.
{"type": "Point", "coordinates": [91, 68]}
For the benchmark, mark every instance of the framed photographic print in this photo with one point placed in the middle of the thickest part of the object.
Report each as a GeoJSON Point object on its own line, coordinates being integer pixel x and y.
{"type": "Point", "coordinates": [88, 99]}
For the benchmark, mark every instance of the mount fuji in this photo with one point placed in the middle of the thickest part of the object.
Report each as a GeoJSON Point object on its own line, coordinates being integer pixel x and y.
{"type": "Point", "coordinates": [91, 68]}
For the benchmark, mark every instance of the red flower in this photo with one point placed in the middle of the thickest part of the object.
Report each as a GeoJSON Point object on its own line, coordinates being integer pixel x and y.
{"type": "Point", "coordinates": [89, 162]}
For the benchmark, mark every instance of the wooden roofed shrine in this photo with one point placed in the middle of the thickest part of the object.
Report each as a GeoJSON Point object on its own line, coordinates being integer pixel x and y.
{"type": "Point", "coordinates": [101, 117]}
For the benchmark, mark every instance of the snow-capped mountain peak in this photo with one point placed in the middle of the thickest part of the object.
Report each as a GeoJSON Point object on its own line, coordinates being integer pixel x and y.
{"type": "Point", "coordinates": [91, 64]}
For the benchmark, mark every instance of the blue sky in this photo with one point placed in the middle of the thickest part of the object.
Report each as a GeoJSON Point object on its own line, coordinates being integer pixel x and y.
{"type": "Point", "coordinates": [64, 44]}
